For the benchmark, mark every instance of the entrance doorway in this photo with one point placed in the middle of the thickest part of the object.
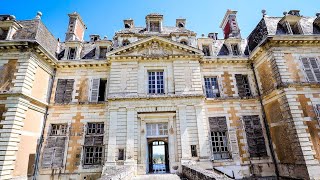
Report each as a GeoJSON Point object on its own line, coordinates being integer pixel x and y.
{"type": "Point", "coordinates": [158, 156]}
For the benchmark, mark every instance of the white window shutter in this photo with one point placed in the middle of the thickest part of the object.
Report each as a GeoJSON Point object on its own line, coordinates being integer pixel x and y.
{"type": "Point", "coordinates": [94, 92]}
{"type": "Point", "coordinates": [308, 69]}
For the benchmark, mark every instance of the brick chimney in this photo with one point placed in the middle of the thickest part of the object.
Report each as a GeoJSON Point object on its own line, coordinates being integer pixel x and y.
{"type": "Point", "coordinates": [76, 28]}
{"type": "Point", "coordinates": [230, 26]}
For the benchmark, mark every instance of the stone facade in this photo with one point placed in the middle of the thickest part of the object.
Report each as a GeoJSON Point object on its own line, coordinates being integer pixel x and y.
{"type": "Point", "coordinates": [88, 109]}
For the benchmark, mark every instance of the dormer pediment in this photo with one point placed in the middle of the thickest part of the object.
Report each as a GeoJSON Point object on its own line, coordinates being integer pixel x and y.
{"type": "Point", "coordinates": [154, 47]}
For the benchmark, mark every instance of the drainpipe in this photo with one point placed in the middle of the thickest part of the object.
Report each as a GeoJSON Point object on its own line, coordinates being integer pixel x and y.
{"type": "Point", "coordinates": [39, 145]}
{"type": "Point", "coordinates": [266, 124]}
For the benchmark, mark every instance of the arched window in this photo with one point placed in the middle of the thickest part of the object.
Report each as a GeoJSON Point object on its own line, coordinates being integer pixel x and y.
{"type": "Point", "coordinates": [125, 42]}
{"type": "Point", "coordinates": [127, 26]}
{"type": "Point", "coordinates": [181, 25]}
{"type": "Point", "coordinates": [184, 42]}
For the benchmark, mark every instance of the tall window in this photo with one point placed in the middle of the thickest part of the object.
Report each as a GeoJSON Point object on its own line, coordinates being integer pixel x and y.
{"type": "Point", "coordinates": [3, 34]}
{"type": "Point", "coordinates": [155, 82]}
{"type": "Point", "coordinates": [98, 90]}
{"type": "Point", "coordinates": [219, 137]}
{"type": "Point", "coordinates": [53, 152]}
{"type": "Point", "coordinates": [64, 91]}
{"type": "Point", "coordinates": [72, 53]}
{"type": "Point", "coordinates": [206, 50]}
{"type": "Point", "coordinates": [211, 86]}
{"type": "Point", "coordinates": [235, 49]}
{"type": "Point", "coordinates": [311, 66]}
{"type": "Point", "coordinates": [157, 129]}
{"type": "Point", "coordinates": [255, 138]}
{"type": "Point", "coordinates": [93, 144]}
{"type": "Point", "coordinates": [154, 26]}
{"type": "Point", "coordinates": [243, 85]}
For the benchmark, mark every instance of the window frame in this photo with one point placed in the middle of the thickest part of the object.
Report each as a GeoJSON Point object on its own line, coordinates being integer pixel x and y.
{"type": "Point", "coordinates": [311, 68]}
{"type": "Point", "coordinates": [206, 51]}
{"type": "Point", "coordinates": [156, 75]}
{"type": "Point", "coordinates": [154, 28]}
{"type": "Point", "coordinates": [69, 53]}
{"type": "Point", "coordinates": [247, 89]}
{"type": "Point", "coordinates": [60, 131]}
{"type": "Point", "coordinates": [235, 52]}
{"type": "Point", "coordinates": [155, 128]}
{"type": "Point", "coordinates": [214, 95]}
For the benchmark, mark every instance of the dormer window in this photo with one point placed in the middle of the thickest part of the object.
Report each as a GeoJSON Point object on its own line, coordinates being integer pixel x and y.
{"type": "Point", "coordinates": [181, 25]}
{"type": "Point", "coordinates": [72, 53]}
{"type": "Point", "coordinates": [235, 49]}
{"type": "Point", "coordinates": [184, 42]}
{"type": "Point", "coordinates": [125, 42]}
{"type": "Point", "coordinates": [281, 29]}
{"type": "Point", "coordinates": [127, 26]}
{"type": "Point", "coordinates": [3, 34]}
{"type": "Point", "coordinates": [155, 26]}
{"type": "Point", "coordinates": [103, 52]}
{"type": "Point", "coordinates": [206, 50]}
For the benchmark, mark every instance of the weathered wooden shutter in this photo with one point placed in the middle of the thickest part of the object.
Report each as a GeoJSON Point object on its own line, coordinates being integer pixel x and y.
{"type": "Point", "coordinates": [255, 138]}
{"type": "Point", "coordinates": [95, 83]}
{"type": "Point", "coordinates": [308, 69]}
{"type": "Point", "coordinates": [315, 66]}
{"type": "Point", "coordinates": [218, 124]}
{"type": "Point", "coordinates": [68, 91]}
{"type": "Point", "coordinates": [61, 86]}
{"type": "Point", "coordinates": [240, 85]}
{"type": "Point", "coordinates": [47, 154]}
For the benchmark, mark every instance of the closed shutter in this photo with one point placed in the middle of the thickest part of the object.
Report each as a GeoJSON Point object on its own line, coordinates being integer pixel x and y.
{"type": "Point", "coordinates": [53, 152]}
{"type": "Point", "coordinates": [308, 69]}
{"type": "Point", "coordinates": [255, 138]}
{"type": "Point", "coordinates": [315, 66]}
{"type": "Point", "coordinates": [95, 83]}
{"type": "Point", "coordinates": [240, 85]}
{"type": "Point", "coordinates": [218, 124]}
{"type": "Point", "coordinates": [68, 91]}
{"type": "Point", "coordinates": [61, 86]}
{"type": "Point", "coordinates": [93, 140]}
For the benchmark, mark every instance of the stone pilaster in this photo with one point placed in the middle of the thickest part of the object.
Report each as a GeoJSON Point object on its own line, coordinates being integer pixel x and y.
{"type": "Point", "coordinates": [185, 144]}
{"type": "Point", "coordinates": [130, 136]}
{"type": "Point", "coordinates": [202, 135]}
{"type": "Point", "coordinates": [112, 138]}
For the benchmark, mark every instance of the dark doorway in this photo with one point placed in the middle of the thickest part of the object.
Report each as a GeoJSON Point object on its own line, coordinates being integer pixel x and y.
{"type": "Point", "coordinates": [158, 157]}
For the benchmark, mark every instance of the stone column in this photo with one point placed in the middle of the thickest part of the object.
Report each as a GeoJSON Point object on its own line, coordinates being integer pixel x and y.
{"type": "Point", "coordinates": [185, 144]}
{"type": "Point", "coordinates": [130, 137]}
{"type": "Point", "coordinates": [142, 166]}
{"type": "Point", "coordinates": [173, 149]}
{"type": "Point", "coordinates": [201, 133]}
{"type": "Point", "coordinates": [112, 140]}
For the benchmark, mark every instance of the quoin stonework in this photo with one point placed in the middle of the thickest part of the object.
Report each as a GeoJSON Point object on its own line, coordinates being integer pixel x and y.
{"type": "Point", "coordinates": [242, 107]}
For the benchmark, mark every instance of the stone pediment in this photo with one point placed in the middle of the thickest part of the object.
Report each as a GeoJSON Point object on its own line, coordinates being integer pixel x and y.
{"type": "Point", "coordinates": [154, 47]}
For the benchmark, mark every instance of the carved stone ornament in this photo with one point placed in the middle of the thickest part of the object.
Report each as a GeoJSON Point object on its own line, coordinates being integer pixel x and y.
{"type": "Point", "coordinates": [155, 50]}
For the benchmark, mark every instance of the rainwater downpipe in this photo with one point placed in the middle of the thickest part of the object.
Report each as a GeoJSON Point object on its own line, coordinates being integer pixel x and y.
{"type": "Point", "coordinates": [39, 146]}
{"type": "Point", "coordinates": [266, 123]}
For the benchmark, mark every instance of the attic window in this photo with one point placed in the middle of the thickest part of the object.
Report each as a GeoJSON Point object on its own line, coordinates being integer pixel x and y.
{"type": "Point", "coordinates": [72, 53]}
{"type": "Point", "coordinates": [281, 29]}
{"type": "Point", "coordinates": [295, 29]}
{"type": "Point", "coordinates": [235, 49]}
{"type": "Point", "coordinates": [3, 34]}
{"type": "Point", "coordinates": [155, 26]}
{"type": "Point", "coordinates": [181, 25]}
{"type": "Point", "coordinates": [103, 52]}
{"type": "Point", "coordinates": [125, 42]}
{"type": "Point", "coordinates": [127, 26]}
{"type": "Point", "coordinates": [206, 50]}
{"type": "Point", "coordinates": [316, 29]}
{"type": "Point", "coordinates": [184, 42]}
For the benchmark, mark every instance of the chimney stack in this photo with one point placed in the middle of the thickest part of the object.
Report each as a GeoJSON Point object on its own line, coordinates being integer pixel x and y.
{"type": "Point", "coordinates": [230, 26]}
{"type": "Point", "coordinates": [76, 28]}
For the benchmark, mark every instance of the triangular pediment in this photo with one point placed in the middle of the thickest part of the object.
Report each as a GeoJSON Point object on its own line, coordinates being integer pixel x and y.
{"type": "Point", "coordinates": [155, 47]}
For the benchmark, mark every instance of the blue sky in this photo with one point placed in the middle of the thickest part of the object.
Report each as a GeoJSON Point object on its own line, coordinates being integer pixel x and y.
{"type": "Point", "coordinates": [104, 17]}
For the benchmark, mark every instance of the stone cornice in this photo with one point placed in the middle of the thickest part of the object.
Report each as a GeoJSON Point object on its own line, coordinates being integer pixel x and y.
{"type": "Point", "coordinates": [231, 99]}
{"type": "Point", "coordinates": [82, 63]}
{"type": "Point", "coordinates": [36, 103]}
{"type": "Point", "coordinates": [224, 59]}
{"type": "Point", "coordinates": [166, 57]}
{"type": "Point", "coordinates": [284, 41]}
{"type": "Point", "coordinates": [153, 97]}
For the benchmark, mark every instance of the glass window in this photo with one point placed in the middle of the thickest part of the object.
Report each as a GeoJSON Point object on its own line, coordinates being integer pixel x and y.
{"type": "Point", "coordinates": [58, 129]}
{"type": "Point", "coordinates": [93, 155]}
{"type": "Point", "coordinates": [211, 87]}
{"type": "Point", "coordinates": [155, 82]}
{"type": "Point", "coordinates": [157, 129]}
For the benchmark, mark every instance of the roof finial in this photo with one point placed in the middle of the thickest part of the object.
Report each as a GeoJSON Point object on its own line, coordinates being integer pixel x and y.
{"type": "Point", "coordinates": [38, 16]}
{"type": "Point", "coordinates": [285, 13]}
{"type": "Point", "coordinates": [264, 12]}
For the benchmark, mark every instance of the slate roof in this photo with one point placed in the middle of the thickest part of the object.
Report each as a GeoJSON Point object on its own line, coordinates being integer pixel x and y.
{"type": "Point", "coordinates": [36, 30]}
{"type": "Point", "coordinates": [268, 26]}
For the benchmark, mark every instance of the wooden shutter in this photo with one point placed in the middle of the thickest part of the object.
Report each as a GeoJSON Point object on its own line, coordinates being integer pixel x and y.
{"type": "Point", "coordinates": [47, 153]}
{"type": "Point", "coordinates": [315, 66]}
{"type": "Point", "coordinates": [218, 124]}
{"type": "Point", "coordinates": [68, 91]}
{"type": "Point", "coordinates": [308, 70]}
{"type": "Point", "coordinates": [255, 138]}
{"type": "Point", "coordinates": [95, 83]}
{"type": "Point", "coordinates": [240, 85]}
{"type": "Point", "coordinates": [61, 86]}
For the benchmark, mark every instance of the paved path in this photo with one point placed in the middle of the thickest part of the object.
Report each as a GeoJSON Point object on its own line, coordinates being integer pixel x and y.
{"type": "Point", "coordinates": [157, 177]}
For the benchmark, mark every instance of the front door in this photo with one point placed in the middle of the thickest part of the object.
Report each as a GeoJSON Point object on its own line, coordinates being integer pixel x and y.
{"type": "Point", "coordinates": [158, 157]}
